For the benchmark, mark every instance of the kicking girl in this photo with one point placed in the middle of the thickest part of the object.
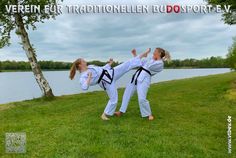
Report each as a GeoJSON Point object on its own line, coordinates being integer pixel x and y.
{"type": "Point", "coordinates": [106, 77]}
{"type": "Point", "coordinates": [141, 81]}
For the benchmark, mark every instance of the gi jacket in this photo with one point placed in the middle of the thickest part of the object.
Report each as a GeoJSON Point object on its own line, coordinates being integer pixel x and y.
{"type": "Point", "coordinates": [153, 66]}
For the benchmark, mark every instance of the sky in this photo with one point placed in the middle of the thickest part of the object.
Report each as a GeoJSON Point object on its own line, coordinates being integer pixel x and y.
{"type": "Point", "coordinates": [104, 36]}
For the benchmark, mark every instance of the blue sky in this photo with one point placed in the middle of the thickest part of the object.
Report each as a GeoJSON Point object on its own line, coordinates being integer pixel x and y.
{"type": "Point", "coordinates": [100, 36]}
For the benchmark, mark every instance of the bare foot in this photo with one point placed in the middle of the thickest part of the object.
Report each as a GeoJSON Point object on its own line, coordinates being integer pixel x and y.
{"type": "Point", "coordinates": [118, 113]}
{"type": "Point", "coordinates": [104, 117]}
{"type": "Point", "coordinates": [150, 118]}
{"type": "Point", "coordinates": [134, 53]}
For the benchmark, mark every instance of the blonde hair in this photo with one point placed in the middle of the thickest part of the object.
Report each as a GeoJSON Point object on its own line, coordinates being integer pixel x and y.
{"type": "Point", "coordinates": [165, 55]}
{"type": "Point", "coordinates": [74, 67]}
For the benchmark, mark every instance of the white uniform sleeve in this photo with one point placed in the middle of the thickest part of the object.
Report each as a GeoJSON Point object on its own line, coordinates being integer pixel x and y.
{"type": "Point", "coordinates": [144, 61]}
{"type": "Point", "coordinates": [83, 84]}
{"type": "Point", "coordinates": [157, 67]}
{"type": "Point", "coordinates": [107, 66]}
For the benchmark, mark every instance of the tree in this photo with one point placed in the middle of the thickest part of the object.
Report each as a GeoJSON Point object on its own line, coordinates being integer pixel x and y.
{"type": "Point", "coordinates": [21, 22]}
{"type": "Point", "coordinates": [228, 17]}
{"type": "Point", "coordinates": [231, 56]}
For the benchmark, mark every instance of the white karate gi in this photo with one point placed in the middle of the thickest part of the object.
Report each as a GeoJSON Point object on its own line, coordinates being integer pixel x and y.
{"type": "Point", "coordinates": [143, 82]}
{"type": "Point", "coordinates": [106, 83]}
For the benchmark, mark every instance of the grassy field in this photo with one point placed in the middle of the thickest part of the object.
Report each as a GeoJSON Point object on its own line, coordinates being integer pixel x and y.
{"type": "Point", "coordinates": [191, 121]}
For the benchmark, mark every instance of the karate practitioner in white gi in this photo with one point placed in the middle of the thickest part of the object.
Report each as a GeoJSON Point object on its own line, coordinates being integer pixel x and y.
{"type": "Point", "coordinates": [141, 81]}
{"type": "Point", "coordinates": [106, 77]}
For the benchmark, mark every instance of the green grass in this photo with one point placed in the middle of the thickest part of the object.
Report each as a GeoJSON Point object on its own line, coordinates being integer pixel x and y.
{"type": "Point", "coordinates": [190, 122]}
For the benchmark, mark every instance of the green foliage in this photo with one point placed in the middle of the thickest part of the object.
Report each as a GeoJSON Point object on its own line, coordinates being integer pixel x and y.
{"type": "Point", "coordinates": [45, 65]}
{"type": "Point", "coordinates": [229, 18]}
{"type": "Point", "coordinates": [50, 65]}
{"type": "Point", "coordinates": [231, 56]}
{"type": "Point", "coordinates": [25, 66]}
{"type": "Point", "coordinates": [212, 62]}
{"type": "Point", "coordinates": [100, 63]}
{"type": "Point", "coordinates": [7, 20]}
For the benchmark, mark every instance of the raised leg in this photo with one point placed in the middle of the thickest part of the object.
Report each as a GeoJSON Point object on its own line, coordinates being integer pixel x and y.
{"type": "Point", "coordinates": [121, 69]}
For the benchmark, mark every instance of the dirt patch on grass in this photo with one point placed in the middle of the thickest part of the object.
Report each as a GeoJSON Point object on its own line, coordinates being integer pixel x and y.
{"type": "Point", "coordinates": [6, 106]}
{"type": "Point", "coordinates": [231, 93]}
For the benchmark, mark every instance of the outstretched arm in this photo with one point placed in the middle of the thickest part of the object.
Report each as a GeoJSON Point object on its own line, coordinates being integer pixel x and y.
{"type": "Point", "coordinates": [109, 63]}
{"type": "Point", "coordinates": [144, 54]}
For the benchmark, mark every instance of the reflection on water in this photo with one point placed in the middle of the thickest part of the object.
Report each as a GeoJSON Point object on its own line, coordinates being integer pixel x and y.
{"type": "Point", "coordinates": [17, 86]}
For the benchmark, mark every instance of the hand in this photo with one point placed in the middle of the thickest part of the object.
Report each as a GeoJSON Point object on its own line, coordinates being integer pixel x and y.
{"type": "Point", "coordinates": [147, 51]}
{"type": "Point", "coordinates": [89, 74]}
{"type": "Point", "coordinates": [133, 51]}
{"type": "Point", "coordinates": [110, 62]}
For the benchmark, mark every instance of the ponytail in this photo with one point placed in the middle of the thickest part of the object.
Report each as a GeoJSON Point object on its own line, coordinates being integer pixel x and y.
{"type": "Point", "coordinates": [167, 56]}
{"type": "Point", "coordinates": [72, 71]}
{"type": "Point", "coordinates": [73, 68]}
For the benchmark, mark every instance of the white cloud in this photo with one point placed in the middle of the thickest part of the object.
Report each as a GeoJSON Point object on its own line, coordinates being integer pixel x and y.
{"type": "Point", "coordinates": [99, 37]}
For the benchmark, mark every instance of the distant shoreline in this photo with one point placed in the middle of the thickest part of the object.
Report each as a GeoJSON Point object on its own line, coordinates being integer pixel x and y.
{"type": "Point", "coordinates": [22, 66]}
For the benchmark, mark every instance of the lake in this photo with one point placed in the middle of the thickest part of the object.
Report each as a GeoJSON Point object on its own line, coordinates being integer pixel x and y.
{"type": "Point", "coordinates": [18, 86]}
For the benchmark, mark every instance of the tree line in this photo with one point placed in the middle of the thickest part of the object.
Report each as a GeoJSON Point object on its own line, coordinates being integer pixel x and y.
{"type": "Point", "coordinates": [45, 65]}
{"type": "Point", "coordinates": [212, 62]}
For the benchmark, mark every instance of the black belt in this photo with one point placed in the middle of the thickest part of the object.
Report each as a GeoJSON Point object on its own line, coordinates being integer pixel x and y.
{"type": "Point", "coordinates": [139, 71]}
{"type": "Point", "coordinates": [105, 72]}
